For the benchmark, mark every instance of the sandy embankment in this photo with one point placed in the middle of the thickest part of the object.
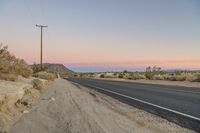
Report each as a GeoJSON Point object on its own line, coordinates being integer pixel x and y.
{"type": "Point", "coordinates": [68, 108]}
{"type": "Point", "coordinates": [15, 98]}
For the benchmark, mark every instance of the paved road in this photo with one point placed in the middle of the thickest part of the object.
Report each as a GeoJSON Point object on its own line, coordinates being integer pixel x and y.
{"type": "Point", "coordinates": [177, 104]}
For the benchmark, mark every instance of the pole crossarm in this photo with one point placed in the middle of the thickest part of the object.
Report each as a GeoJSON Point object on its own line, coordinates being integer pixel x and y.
{"type": "Point", "coordinates": [45, 26]}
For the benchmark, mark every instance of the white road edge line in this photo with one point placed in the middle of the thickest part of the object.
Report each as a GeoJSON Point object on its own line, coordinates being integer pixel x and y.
{"type": "Point", "coordinates": [183, 114]}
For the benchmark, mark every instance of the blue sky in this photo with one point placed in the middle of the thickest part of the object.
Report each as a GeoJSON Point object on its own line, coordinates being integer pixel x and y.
{"type": "Point", "coordinates": [106, 34]}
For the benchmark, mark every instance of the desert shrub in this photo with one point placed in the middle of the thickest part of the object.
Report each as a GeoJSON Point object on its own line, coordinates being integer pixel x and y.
{"type": "Point", "coordinates": [12, 66]}
{"type": "Point", "coordinates": [197, 77]}
{"type": "Point", "coordinates": [45, 75]}
{"type": "Point", "coordinates": [115, 74]}
{"type": "Point", "coordinates": [158, 77]}
{"type": "Point", "coordinates": [152, 71]}
{"type": "Point", "coordinates": [137, 76]}
{"type": "Point", "coordinates": [181, 77]}
{"type": "Point", "coordinates": [149, 75]}
{"type": "Point", "coordinates": [128, 75]}
{"type": "Point", "coordinates": [170, 77]}
{"type": "Point", "coordinates": [102, 76]}
{"type": "Point", "coordinates": [37, 68]}
{"type": "Point", "coordinates": [125, 71]}
{"type": "Point", "coordinates": [191, 77]}
{"type": "Point", "coordinates": [21, 68]}
{"type": "Point", "coordinates": [120, 75]}
{"type": "Point", "coordinates": [38, 84]}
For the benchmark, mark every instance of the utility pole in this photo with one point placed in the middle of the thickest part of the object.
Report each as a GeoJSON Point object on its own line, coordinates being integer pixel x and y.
{"type": "Point", "coordinates": [41, 27]}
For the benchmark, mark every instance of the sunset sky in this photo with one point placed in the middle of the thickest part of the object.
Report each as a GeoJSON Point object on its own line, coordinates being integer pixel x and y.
{"type": "Point", "coordinates": [102, 35]}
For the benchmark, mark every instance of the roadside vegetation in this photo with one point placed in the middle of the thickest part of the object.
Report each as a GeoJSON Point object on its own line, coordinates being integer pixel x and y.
{"type": "Point", "coordinates": [151, 73]}
{"type": "Point", "coordinates": [45, 75]}
{"type": "Point", "coordinates": [41, 72]}
{"type": "Point", "coordinates": [11, 67]}
{"type": "Point", "coordinates": [20, 86]}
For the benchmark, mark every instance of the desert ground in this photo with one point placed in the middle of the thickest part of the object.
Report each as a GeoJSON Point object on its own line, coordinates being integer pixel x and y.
{"type": "Point", "coordinates": [67, 107]}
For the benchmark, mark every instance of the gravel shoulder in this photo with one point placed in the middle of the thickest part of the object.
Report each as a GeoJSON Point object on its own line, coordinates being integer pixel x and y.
{"type": "Point", "coordinates": [70, 108]}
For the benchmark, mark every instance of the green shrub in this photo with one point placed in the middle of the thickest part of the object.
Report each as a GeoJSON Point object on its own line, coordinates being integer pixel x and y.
{"type": "Point", "coordinates": [149, 75]}
{"type": "Point", "coordinates": [120, 75]}
{"type": "Point", "coordinates": [152, 71]}
{"type": "Point", "coordinates": [102, 76]}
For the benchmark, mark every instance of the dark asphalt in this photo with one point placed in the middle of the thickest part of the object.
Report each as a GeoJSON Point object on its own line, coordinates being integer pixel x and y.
{"type": "Point", "coordinates": [185, 101]}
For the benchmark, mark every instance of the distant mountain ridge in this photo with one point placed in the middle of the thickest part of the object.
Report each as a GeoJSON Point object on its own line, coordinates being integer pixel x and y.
{"type": "Point", "coordinates": [59, 68]}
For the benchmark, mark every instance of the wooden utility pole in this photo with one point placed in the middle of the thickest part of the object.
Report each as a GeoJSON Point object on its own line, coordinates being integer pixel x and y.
{"type": "Point", "coordinates": [41, 27]}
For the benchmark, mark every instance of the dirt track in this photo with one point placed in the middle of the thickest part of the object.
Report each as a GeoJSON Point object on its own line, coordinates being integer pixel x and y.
{"type": "Point", "coordinates": [67, 108]}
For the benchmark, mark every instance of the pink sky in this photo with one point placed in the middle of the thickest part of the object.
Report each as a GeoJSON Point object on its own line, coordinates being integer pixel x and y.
{"type": "Point", "coordinates": [94, 33]}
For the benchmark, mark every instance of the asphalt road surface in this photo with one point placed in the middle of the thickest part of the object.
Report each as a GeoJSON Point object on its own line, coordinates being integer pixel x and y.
{"type": "Point", "coordinates": [178, 104]}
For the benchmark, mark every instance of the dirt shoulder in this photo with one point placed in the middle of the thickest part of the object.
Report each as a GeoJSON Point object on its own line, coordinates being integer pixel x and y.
{"type": "Point", "coordinates": [65, 107]}
{"type": "Point", "coordinates": [15, 98]}
{"type": "Point", "coordinates": [158, 82]}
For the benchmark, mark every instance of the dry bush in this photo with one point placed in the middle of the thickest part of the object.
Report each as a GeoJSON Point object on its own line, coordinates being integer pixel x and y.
{"type": "Point", "coordinates": [38, 84]}
{"type": "Point", "coordinates": [158, 77]}
{"type": "Point", "coordinates": [181, 77]}
{"type": "Point", "coordinates": [21, 68]}
{"type": "Point", "coordinates": [191, 77]}
{"type": "Point", "coordinates": [11, 66]}
{"type": "Point", "coordinates": [197, 77]}
{"type": "Point", "coordinates": [102, 76]}
{"type": "Point", "coordinates": [45, 75]}
{"type": "Point", "coordinates": [121, 75]}
{"type": "Point", "coordinates": [37, 68]}
{"type": "Point", "coordinates": [137, 76]}
{"type": "Point", "coordinates": [169, 77]}
{"type": "Point", "coordinates": [108, 75]}
{"type": "Point", "coordinates": [194, 77]}
{"type": "Point", "coordinates": [128, 75]}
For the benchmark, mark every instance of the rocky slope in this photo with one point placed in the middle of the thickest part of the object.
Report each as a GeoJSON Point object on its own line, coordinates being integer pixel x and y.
{"type": "Point", "coordinates": [58, 68]}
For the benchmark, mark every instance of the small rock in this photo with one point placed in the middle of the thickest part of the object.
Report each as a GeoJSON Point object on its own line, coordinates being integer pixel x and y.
{"type": "Point", "coordinates": [25, 111]}
{"type": "Point", "coordinates": [52, 98]}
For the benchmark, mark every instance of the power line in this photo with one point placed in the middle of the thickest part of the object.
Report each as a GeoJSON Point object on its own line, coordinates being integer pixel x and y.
{"type": "Point", "coordinates": [29, 11]}
{"type": "Point", "coordinates": [41, 16]}
{"type": "Point", "coordinates": [42, 11]}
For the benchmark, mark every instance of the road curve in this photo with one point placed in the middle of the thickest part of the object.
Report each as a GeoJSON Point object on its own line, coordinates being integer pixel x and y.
{"type": "Point", "coordinates": [178, 104]}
